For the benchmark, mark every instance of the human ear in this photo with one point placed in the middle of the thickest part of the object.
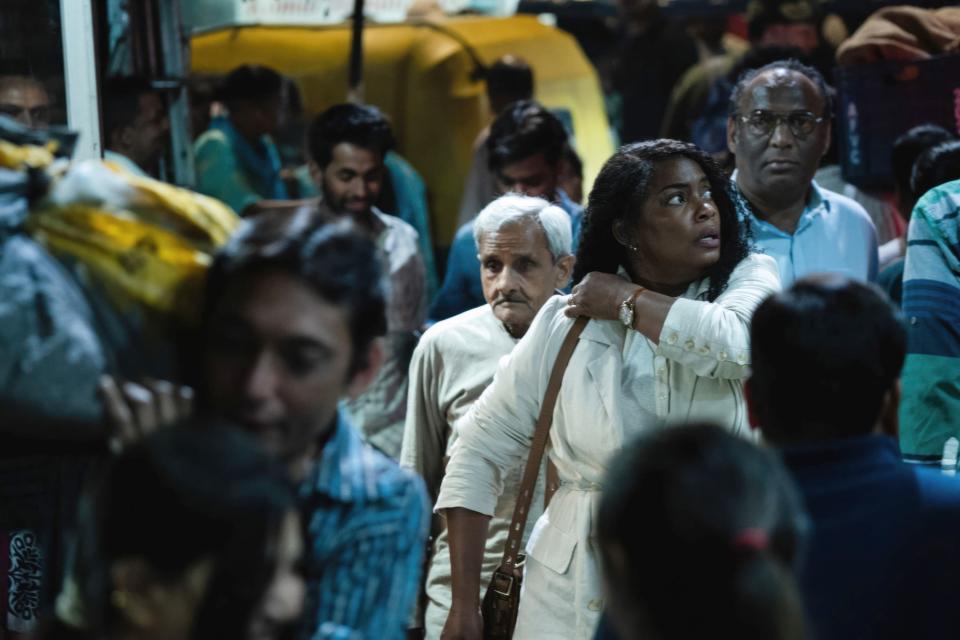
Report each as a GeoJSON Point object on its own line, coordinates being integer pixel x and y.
{"type": "Point", "coordinates": [620, 234]}
{"type": "Point", "coordinates": [564, 270]}
{"type": "Point", "coordinates": [316, 173]}
{"type": "Point", "coordinates": [732, 135]}
{"type": "Point", "coordinates": [889, 420]}
{"type": "Point", "coordinates": [120, 138]}
{"type": "Point", "coordinates": [376, 354]}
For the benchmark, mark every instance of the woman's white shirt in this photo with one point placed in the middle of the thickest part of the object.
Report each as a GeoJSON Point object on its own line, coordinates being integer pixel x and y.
{"type": "Point", "coordinates": [613, 389]}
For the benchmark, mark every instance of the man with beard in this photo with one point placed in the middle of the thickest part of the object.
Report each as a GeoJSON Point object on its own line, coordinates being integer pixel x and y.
{"type": "Point", "coordinates": [136, 124]}
{"type": "Point", "coordinates": [525, 256]}
{"type": "Point", "coordinates": [347, 145]}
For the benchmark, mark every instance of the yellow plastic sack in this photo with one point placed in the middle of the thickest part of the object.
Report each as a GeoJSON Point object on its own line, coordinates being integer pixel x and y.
{"type": "Point", "coordinates": [153, 252]}
{"type": "Point", "coordinates": [13, 156]}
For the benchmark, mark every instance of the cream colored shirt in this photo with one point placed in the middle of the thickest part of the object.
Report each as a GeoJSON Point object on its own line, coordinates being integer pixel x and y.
{"type": "Point", "coordinates": [699, 364]}
{"type": "Point", "coordinates": [452, 365]}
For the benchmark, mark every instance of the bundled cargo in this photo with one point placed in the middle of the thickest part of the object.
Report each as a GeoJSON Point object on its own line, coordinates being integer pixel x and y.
{"type": "Point", "coordinates": [901, 68]}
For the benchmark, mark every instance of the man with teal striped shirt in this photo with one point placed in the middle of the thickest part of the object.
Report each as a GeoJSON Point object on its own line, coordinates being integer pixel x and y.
{"type": "Point", "coordinates": [930, 410]}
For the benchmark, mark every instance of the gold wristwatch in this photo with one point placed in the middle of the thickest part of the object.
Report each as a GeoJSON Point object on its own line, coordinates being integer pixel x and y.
{"type": "Point", "coordinates": [626, 308]}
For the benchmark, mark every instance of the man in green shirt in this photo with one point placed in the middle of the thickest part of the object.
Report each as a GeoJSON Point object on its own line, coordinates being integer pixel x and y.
{"type": "Point", "coordinates": [236, 159]}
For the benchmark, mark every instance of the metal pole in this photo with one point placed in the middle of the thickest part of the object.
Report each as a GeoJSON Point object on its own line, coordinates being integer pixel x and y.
{"type": "Point", "coordinates": [80, 76]}
{"type": "Point", "coordinates": [176, 67]}
{"type": "Point", "coordinates": [355, 93]}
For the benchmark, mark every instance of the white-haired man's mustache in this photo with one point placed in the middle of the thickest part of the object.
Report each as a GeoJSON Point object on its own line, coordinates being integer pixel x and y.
{"type": "Point", "coordinates": [508, 298]}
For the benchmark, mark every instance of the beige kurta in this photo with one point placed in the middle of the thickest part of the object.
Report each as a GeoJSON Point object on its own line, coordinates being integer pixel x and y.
{"type": "Point", "coordinates": [699, 365]}
{"type": "Point", "coordinates": [452, 365]}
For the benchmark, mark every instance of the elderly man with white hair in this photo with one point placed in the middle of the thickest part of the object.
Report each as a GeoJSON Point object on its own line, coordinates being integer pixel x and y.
{"type": "Point", "coordinates": [525, 253]}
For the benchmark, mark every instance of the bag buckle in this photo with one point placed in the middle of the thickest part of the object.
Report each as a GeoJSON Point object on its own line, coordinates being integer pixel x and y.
{"type": "Point", "coordinates": [499, 580]}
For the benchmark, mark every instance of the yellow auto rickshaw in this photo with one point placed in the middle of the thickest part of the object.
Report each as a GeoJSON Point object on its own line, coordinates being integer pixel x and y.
{"type": "Point", "coordinates": [422, 73]}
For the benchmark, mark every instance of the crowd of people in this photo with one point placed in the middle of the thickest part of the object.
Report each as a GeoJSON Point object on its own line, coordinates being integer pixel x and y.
{"type": "Point", "coordinates": [743, 377]}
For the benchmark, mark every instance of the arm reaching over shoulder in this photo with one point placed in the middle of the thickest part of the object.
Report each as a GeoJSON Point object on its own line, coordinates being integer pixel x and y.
{"type": "Point", "coordinates": [713, 338]}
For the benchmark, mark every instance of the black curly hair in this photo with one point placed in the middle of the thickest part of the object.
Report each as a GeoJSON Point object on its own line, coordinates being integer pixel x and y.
{"type": "Point", "coordinates": [621, 188]}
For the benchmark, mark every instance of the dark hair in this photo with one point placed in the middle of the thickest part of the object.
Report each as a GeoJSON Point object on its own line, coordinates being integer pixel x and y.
{"type": "Point", "coordinates": [936, 166]}
{"type": "Point", "coordinates": [790, 64]}
{"type": "Point", "coordinates": [250, 83]}
{"type": "Point", "coordinates": [510, 78]}
{"type": "Point", "coordinates": [178, 496]}
{"type": "Point", "coordinates": [524, 129]}
{"type": "Point", "coordinates": [761, 14]}
{"type": "Point", "coordinates": [621, 189]}
{"type": "Point", "coordinates": [361, 125]}
{"type": "Point", "coordinates": [694, 519]}
{"type": "Point", "coordinates": [332, 256]}
{"type": "Point", "coordinates": [906, 149]}
{"type": "Point", "coordinates": [571, 157]}
{"type": "Point", "coordinates": [824, 353]}
{"type": "Point", "coordinates": [121, 102]}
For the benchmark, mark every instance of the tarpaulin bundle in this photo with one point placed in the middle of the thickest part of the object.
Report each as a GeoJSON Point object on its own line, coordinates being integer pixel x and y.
{"type": "Point", "coordinates": [142, 240]}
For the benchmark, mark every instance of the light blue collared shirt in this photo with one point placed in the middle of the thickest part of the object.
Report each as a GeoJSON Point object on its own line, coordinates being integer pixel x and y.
{"type": "Point", "coordinates": [834, 235]}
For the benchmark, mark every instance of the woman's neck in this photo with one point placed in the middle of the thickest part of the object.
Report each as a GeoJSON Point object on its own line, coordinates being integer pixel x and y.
{"type": "Point", "coordinates": [674, 290]}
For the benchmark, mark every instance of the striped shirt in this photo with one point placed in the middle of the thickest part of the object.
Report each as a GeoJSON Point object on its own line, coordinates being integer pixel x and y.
{"type": "Point", "coordinates": [931, 307]}
{"type": "Point", "coordinates": [367, 522]}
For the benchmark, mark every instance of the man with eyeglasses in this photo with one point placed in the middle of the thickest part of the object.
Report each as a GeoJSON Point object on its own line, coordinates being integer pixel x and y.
{"type": "Point", "coordinates": [779, 129]}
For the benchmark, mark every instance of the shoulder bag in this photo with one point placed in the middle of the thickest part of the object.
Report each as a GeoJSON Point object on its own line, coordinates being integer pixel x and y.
{"type": "Point", "coordinates": [502, 599]}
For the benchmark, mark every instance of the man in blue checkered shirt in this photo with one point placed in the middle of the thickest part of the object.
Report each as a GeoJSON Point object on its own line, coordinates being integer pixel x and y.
{"type": "Point", "coordinates": [293, 315]}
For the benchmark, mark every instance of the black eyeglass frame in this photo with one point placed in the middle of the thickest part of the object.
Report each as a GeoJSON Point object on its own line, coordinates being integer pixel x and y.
{"type": "Point", "coordinates": [781, 118]}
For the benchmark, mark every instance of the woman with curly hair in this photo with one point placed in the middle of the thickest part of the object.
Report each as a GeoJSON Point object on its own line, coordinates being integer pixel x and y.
{"type": "Point", "coordinates": [665, 274]}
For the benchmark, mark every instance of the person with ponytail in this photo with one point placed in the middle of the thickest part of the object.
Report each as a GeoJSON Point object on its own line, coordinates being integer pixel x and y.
{"type": "Point", "coordinates": [665, 274]}
{"type": "Point", "coordinates": [699, 534]}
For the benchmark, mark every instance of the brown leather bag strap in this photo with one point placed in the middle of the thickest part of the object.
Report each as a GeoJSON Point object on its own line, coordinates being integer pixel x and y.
{"type": "Point", "coordinates": [540, 435]}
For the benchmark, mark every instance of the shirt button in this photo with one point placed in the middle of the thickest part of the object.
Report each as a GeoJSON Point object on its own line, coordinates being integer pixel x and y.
{"type": "Point", "coordinates": [704, 350]}
{"type": "Point", "coordinates": [742, 358]}
{"type": "Point", "coordinates": [723, 355]}
{"type": "Point", "coordinates": [673, 338]}
{"type": "Point", "coordinates": [689, 345]}
{"type": "Point", "coordinates": [595, 605]}
{"type": "Point", "coordinates": [913, 320]}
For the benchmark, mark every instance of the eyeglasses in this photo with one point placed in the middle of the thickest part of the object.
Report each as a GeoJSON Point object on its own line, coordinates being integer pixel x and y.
{"type": "Point", "coordinates": [762, 123]}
